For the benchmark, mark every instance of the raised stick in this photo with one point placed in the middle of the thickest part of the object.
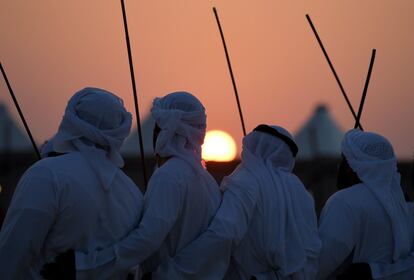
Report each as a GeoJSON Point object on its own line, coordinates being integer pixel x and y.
{"type": "Point", "coordinates": [26, 127]}
{"type": "Point", "coordinates": [230, 70]}
{"type": "Point", "coordinates": [412, 173]}
{"type": "Point", "coordinates": [364, 93]}
{"type": "Point", "coordinates": [134, 89]}
{"type": "Point", "coordinates": [333, 69]}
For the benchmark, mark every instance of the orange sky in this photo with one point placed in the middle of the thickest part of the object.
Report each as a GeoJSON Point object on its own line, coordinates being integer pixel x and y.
{"type": "Point", "coordinates": [51, 48]}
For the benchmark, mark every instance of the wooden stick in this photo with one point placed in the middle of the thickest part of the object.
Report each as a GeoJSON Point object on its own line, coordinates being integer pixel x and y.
{"type": "Point", "coordinates": [412, 173]}
{"type": "Point", "coordinates": [333, 70]}
{"type": "Point", "coordinates": [364, 93]}
{"type": "Point", "coordinates": [231, 71]}
{"type": "Point", "coordinates": [134, 89]}
{"type": "Point", "coordinates": [16, 103]}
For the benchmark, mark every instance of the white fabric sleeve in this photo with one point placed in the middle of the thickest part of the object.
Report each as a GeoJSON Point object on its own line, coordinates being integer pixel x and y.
{"type": "Point", "coordinates": [236, 211]}
{"type": "Point", "coordinates": [338, 233]}
{"type": "Point", "coordinates": [402, 269]}
{"type": "Point", "coordinates": [162, 204]}
{"type": "Point", "coordinates": [28, 221]}
{"type": "Point", "coordinates": [208, 256]}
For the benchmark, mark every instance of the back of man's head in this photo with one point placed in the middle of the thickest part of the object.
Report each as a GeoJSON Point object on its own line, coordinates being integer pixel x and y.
{"type": "Point", "coordinates": [371, 144]}
{"type": "Point", "coordinates": [181, 100]}
{"type": "Point", "coordinates": [273, 144]}
{"type": "Point", "coordinates": [370, 156]}
{"type": "Point", "coordinates": [180, 126]}
{"type": "Point", "coordinates": [93, 116]}
{"type": "Point", "coordinates": [101, 109]}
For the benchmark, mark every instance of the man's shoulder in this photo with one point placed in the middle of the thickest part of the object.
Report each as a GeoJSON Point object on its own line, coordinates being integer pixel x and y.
{"type": "Point", "coordinates": [53, 163]}
{"type": "Point", "coordinates": [41, 175]}
{"type": "Point", "coordinates": [49, 165]}
{"type": "Point", "coordinates": [351, 197]}
{"type": "Point", "coordinates": [350, 192]}
{"type": "Point", "coordinates": [240, 177]}
{"type": "Point", "coordinates": [60, 167]}
{"type": "Point", "coordinates": [241, 172]}
{"type": "Point", "coordinates": [174, 167]}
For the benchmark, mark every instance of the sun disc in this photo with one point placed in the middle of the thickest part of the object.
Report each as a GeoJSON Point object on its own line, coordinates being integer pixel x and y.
{"type": "Point", "coordinates": [218, 146]}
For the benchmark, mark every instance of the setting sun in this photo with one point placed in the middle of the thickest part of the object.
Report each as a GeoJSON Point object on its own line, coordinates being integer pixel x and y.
{"type": "Point", "coordinates": [219, 146]}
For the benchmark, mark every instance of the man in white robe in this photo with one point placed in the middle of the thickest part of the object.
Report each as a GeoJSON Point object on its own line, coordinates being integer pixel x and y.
{"type": "Point", "coordinates": [181, 199]}
{"type": "Point", "coordinates": [266, 225]}
{"type": "Point", "coordinates": [78, 199]}
{"type": "Point", "coordinates": [369, 220]}
{"type": "Point", "coordinates": [403, 269]}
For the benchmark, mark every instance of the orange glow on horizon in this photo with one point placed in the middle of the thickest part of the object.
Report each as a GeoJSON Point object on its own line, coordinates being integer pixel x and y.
{"type": "Point", "coordinates": [219, 146]}
{"type": "Point", "coordinates": [72, 47]}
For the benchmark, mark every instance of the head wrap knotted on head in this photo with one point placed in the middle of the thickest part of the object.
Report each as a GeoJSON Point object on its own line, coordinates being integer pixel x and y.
{"type": "Point", "coordinates": [95, 124]}
{"type": "Point", "coordinates": [182, 120]}
{"type": "Point", "coordinates": [372, 158]}
{"type": "Point", "coordinates": [288, 214]}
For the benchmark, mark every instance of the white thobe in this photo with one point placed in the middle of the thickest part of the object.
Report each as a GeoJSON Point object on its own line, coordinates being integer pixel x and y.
{"type": "Point", "coordinates": [400, 270]}
{"type": "Point", "coordinates": [254, 256]}
{"type": "Point", "coordinates": [179, 205]}
{"type": "Point", "coordinates": [232, 248]}
{"type": "Point", "coordinates": [354, 225]}
{"type": "Point", "coordinates": [58, 205]}
{"type": "Point", "coordinates": [208, 256]}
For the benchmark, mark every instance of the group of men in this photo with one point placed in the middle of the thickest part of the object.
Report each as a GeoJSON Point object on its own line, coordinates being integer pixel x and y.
{"type": "Point", "coordinates": [75, 214]}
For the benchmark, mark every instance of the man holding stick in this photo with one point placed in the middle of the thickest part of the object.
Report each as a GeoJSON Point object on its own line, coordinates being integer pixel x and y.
{"type": "Point", "coordinates": [78, 199]}
{"type": "Point", "coordinates": [266, 225]}
{"type": "Point", "coordinates": [181, 199]}
{"type": "Point", "coordinates": [368, 221]}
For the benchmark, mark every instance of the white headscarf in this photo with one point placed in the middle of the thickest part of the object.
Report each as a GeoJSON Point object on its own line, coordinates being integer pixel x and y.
{"type": "Point", "coordinates": [372, 158]}
{"type": "Point", "coordinates": [291, 231]}
{"type": "Point", "coordinates": [95, 124]}
{"type": "Point", "coordinates": [182, 120]}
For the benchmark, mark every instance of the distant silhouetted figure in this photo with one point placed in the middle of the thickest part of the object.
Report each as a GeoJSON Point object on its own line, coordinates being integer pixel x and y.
{"type": "Point", "coordinates": [369, 219]}
{"type": "Point", "coordinates": [78, 199]}
{"type": "Point", "coordinates": [266, 225]}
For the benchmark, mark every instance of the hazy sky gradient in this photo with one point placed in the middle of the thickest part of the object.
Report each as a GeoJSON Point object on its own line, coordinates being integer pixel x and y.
{"type": "Point", "coordinates": [50, 49]}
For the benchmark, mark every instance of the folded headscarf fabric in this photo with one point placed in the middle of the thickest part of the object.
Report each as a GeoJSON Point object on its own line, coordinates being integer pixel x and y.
{"type": "Point", "coordinates": [372, 158]}
{"type": "Point", "coordinates": [95, 124]}
{"type": "Point", "coordinates": [290, 234]}
{"type": "Point", "coordinates": [182, 120]}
